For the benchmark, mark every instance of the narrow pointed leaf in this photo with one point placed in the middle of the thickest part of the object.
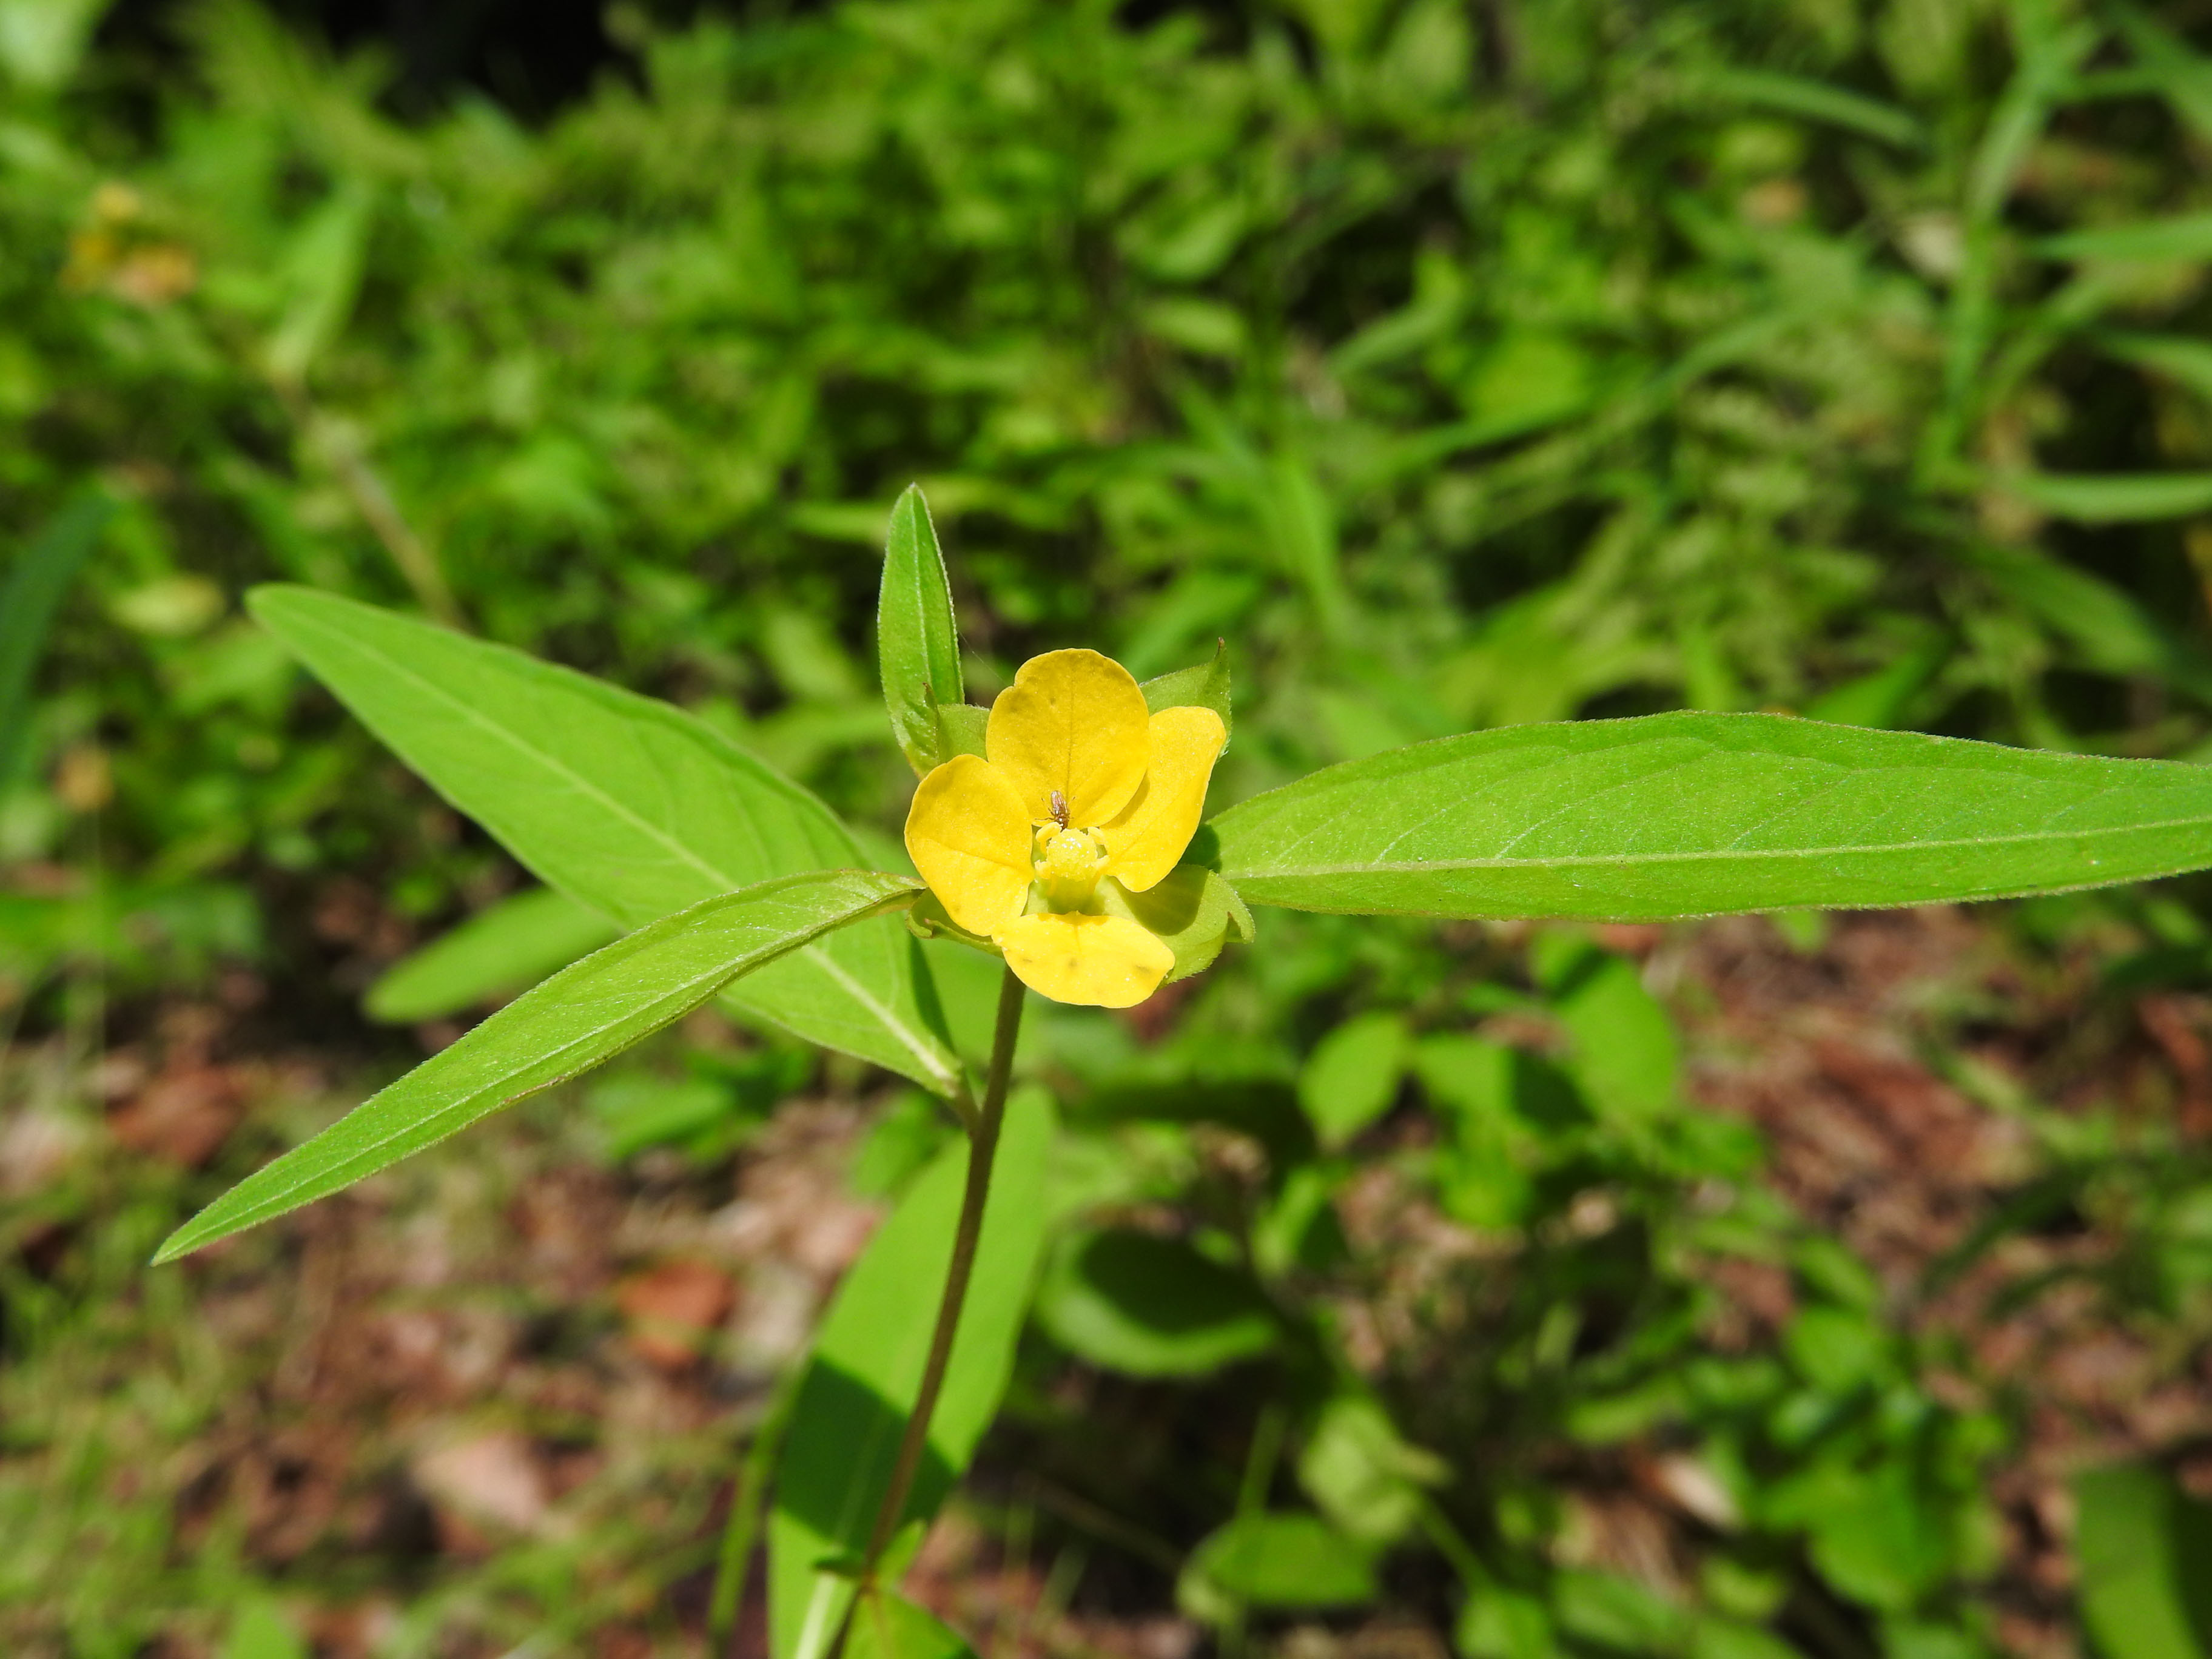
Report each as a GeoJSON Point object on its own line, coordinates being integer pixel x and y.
{"type": "Point", "coordinates": [628, 806]}
{"type": "Point", "coordinates": [867, 1369]}
{"type": "Point", "coordinates": [917, 644]}
{"type": "Point", "coordinates": [583, 1015]}
{"type": "Point", "coordinates": [1690, 814]}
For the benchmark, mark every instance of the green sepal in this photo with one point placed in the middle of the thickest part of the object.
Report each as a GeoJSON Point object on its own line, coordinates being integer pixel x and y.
{"type": "Point", "coordinates": [927, 918]}
{"type": "Point", "coordinates": [960, 728]}
{"type": "Point", "coordinates": [1193, 910]}
{"type": "Point", "coordinates": [1204, 686]}
{"type": "Point", "coordinates": [917, 642]}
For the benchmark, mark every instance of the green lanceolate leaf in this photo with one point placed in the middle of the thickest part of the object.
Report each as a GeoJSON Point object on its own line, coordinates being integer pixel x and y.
{"type": "Point", "coordinates": [1203, 686]}
{"type": "Point", "coordinates": [513, 944]}
{"type": "Point", "coordinates": [628, 806]}
{"type": "Point", "coordinates": [867, 1369]}
{"type": "Point", "coordinates": [580, 1016]}
{"type": "Point", "coordinates": [2144, 1558]}
{"type": "Point", "coordinates": [1690, 814]}
{"type": "Point", "coordinates": [917, 644]}
{"type": "Point", "coordinates": [36, 582]}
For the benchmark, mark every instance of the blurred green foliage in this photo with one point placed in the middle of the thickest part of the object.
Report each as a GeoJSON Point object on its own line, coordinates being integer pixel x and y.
{"type": "Point", "coordinates": [1460, 365]}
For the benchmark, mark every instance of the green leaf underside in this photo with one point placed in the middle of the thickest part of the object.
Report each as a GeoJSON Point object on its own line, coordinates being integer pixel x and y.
{"type": "Point", "coordinates": [502, 948]}
{"type": "Point", "coordinates": [1691, 814]}
{"type": "Point", "coordinates": [867, 1369]}
{"type": "Point", "coordinates": [583, 1015]}
{"type": "Point", "coordinates": [917, 644]}
{"type": "Point", "coordinates": [625, 804]}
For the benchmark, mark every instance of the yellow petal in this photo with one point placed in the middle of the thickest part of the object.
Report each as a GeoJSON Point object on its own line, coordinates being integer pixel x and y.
{"type": "Point", "coordinates": [1148, 839]}
{"type": "Point", "coordinates": [1075, 722]}
{"type": "Point", "coordinates": [1103, 962]}
{"type": "Point", "coordinates": [968, 834]}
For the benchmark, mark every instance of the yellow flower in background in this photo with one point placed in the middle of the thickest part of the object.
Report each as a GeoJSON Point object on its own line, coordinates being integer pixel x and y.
{"type": "Point", "coordinates": [1086, 797]}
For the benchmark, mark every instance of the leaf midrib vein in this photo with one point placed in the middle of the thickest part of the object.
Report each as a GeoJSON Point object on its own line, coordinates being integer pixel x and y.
{"type": "Point", "coordinates": [724, 882]}
{"type": "Point", "coordinates": [1586, 860]}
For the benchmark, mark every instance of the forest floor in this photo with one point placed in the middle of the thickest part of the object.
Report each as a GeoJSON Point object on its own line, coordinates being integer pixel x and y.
{"type": "Point", "coordinates": [514, 1375]}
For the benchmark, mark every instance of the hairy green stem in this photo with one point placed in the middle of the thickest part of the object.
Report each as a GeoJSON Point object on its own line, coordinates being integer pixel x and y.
{"type": "Point", "coordinates": [982, 1147]}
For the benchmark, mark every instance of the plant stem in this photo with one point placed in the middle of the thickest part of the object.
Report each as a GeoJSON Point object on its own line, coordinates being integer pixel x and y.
{"type": "Point", "coordinates": [982, 1147]}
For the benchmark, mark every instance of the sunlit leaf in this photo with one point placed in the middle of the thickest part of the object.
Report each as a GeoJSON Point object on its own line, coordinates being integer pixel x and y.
{"type": "Point", "coordinates": [1152, 1306]}
{"type": "Point", "coordinates": [1276, 1559]}
{"type": "Point", "coordinates": [581, 1016]}
{"type": "Point", "coordinates": [2144, 1553]}
{"type": "Point", "coordinates": [625, 804]}
{"type": "Point", "coordinates": [1690, 814]}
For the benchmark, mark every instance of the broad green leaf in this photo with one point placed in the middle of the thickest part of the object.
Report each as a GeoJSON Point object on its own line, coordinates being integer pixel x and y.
{"type": "Point", "coordinates": [1205, 685]}
{"type": "Point", "coordinates": [917, 644]}
{"type": "Point", "coordinates": [1617, 1613]}
{"type": "Point", "coordinates": [1353, 1075]}
{"type": "Point", "coordinates": [2143, 1551]}
{"type": "Point", "coordinates": [513, 944]}
{"type": "Point", "coordinates": [1690, 814]}
{"type": "Point", "coordinates": [1365, 1479]}
{"type": "Point", "coordinates": [866, 1368]}
{"type": "Point", "coordinates": [2186, 236]}
{"type": "Point", "coordinates": [37, 579]}
{"type": "Point", "coordinates": [628, 806]}
{"type": "Point", "coordinates": [1151, 1306]}
{"type": "Point", "coordinates": [262, 1631]}
{"type": "Point", "coordinates": [1275, 1558]}
{"type": "Point", "coordinates": [886, 1626]}
{"type": "Point", "coordinates": [1625, 1054]}
{"type": "Point", "coordinates": [581, 1016]}
{"type": "Point", "coordinates": [2093, 498]}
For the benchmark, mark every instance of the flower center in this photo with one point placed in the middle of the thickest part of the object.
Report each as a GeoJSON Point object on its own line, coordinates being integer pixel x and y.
{"type": "Point", "coordinates": [1069, 865]}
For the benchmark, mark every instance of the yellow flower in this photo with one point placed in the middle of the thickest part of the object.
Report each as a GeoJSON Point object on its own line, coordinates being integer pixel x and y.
{"type": "Point", "coordinates": [1086, 797]}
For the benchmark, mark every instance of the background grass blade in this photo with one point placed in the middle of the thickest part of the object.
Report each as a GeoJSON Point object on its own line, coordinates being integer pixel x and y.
{"type": "Point", "coordinates": [626, 805]}
{"type": "Point", "coordinates": [1689, 814]}
{"type": "Point", "coordinates": [578, 1017]}
{"type": "Point", "coordinates": [36, 582]}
